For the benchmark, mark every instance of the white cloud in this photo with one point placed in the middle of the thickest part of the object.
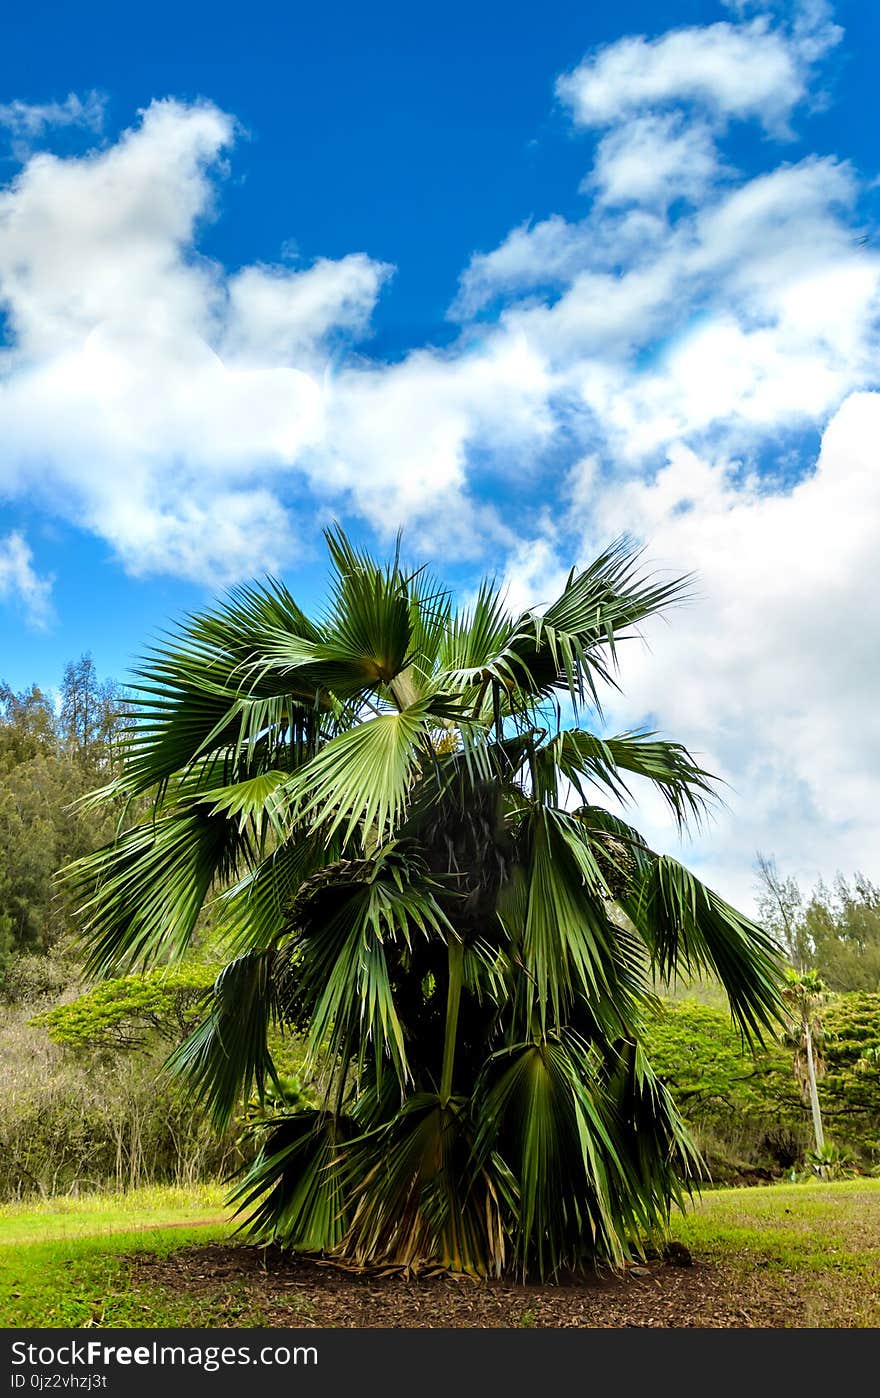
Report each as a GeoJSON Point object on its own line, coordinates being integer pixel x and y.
{"type": "Point", "coordinates": [534, 576]}
{"type": "Point", "coordinates": [756, 312]}
{"type": "Point", "coordinates": [731, 70]}
{"type": "Point", "coordinates": [20, 584]}
{"type": "Point", "coordinates": [141, 382]}
{"type": "Point", "coordinates": [654, 160]}
{"type": "Point", "coordinates": [544, 254]}
{"type": "Point", "coordinates": [276, 316]}
{"type": "Point", "coordinates": [174, 409]}
{"type": "Point", "coordinates": [27, 122]}
{"type": "Point", "coordinates": [399, 436]}
{"type": "Point", "coordinates": [772, 671]}
{"type": "Point", "coordinates": [101, 241]}
{"type": "Point", "coordinates": [215, 533]}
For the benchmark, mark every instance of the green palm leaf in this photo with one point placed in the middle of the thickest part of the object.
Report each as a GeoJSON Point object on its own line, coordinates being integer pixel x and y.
{"type": "Point", "coordinates": [294, 1190]}
{"type": "Point", "coordinates": [229, 1052]}
{"type": "Point", "coordinates": [361, 779]}
{"type": "Point", "coordinates": [347, 924]}
{"type": "Point", "coordinates": [539, 1106]}
{"type": "Point", "coordinates": [254, 912]}
{"type": "Point", "coordinates": [418, 1199]}
{"type": "Point", "coordinates": [689, 928]}
{"type": "Point", "coordinates": [140, 898]}
{"type": "Point", "coordinates": [582, 757]}
{"type": "Point", "coordinates": [555, 915]}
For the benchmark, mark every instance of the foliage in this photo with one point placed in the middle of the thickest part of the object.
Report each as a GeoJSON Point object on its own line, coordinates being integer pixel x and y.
{"type": "Point", "coordinates": [72, 1121]}
{"type": "Point", "coordinates": [743, 1106]}
{"type": "Point", "coordinates": [843, 928]}
{"type": "Point", "coordinates": [126, 1012]}
{"type": "Point", "coordinates": [831, 1163]}
{"type": "Point", "coordinates": [850, 1089]}
{"type": "Point", "coordinates": [746, 1108]}
{"type": "Point", "coordinates": [93, 715]}
{"type": "Point", "coordinates": [379, 798]}
{"type": "Point", "coordinates": [835, 932]}
{"type": "Point", "coordinates": [48, 763]}
{"type": "Point", "coordinates": [37, 979]}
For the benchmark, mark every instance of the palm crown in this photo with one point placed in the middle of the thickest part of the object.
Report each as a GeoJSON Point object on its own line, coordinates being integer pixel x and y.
{"type": "Point", "coordinates": [415, 873]}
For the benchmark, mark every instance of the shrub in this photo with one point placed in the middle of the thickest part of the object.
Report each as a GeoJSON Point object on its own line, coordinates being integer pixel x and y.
{"type": "Point", "coordinates": [76, 1121]}
{"type": "Point", "coordinates": [746, 1110]}
{"type": "Point", "coordinates": [131, 1011]}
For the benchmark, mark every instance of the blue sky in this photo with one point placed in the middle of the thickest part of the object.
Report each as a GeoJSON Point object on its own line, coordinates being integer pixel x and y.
{"type": "Point", "coordinates": [513, 277]}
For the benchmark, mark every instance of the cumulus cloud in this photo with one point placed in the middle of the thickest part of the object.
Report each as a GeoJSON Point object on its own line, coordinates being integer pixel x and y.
{"type": "Point", "coordinates": [178, 410]}
{"type": "Point", "coordinates": [752, 69]}
{"type": "Point", "coordinates": [405, 431]}
{"type": "Point", "coordinates": [20, 584]}
{"type": "Point", "coordinates": [140, 380]}
{"type": "Point", "coordinates": [275, 315]}
{"type": "Point", "coordinates": [755, 311]}
{"type": "Point", "coordinates": [545, 254]}
{"type": "Point", "coordinates": [772, 669]}
{"type": "Point", "coordinates": [654, 160]}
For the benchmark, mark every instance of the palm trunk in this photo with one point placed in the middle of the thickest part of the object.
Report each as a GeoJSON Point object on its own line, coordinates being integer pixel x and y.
{"type": "Point", "coordinates": [453, 1001]}
{"type": "Point", "coordinates": [814, 1094]}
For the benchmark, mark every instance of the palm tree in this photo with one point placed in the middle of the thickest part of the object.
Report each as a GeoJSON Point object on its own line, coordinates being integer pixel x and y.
{"type": "Point", "coordinates": [397, 806]}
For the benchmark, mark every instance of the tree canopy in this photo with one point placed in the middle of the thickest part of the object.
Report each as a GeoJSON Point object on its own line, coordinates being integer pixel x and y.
{"type": "Point", "coordinates": [49, 759]}
{"type": "Point", "coordinates": [834, 931]}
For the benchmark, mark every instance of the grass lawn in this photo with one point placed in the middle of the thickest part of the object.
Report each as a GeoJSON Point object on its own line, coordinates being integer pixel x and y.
{"type": "Point", "coordinates": [806, 1255]}
{"type": "Point", "coordinates": [820, 1240]}
{"type": "Point", "coordinates": [62, 1261]}
{"type": "Point", "coordinates": [94, 1215]}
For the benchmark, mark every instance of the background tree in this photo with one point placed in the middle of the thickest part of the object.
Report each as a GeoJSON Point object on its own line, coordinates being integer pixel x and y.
{"type": "Point", "coordinates": [843, 927]}
{"type": "Point", "coordinates": [132, 1011]}
{"type": "Point", "coordinates": [48, 761]}
{"type": "Point", "coordinates": [93, 715]}
{"type": "Point", "coordinates": [804, 993]}
{"type": "Point", "coordinates": [781, 910]}
{"type": "Point", "coordinates": [27, 727]}
{"type": "Point", "coordinates": [835, 931]}
{"type": "Point", "coordinates": [414, 872]}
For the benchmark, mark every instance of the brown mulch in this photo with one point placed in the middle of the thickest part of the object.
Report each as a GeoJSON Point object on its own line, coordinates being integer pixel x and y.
{"type": "Point", "coordinates": [278, 1288]}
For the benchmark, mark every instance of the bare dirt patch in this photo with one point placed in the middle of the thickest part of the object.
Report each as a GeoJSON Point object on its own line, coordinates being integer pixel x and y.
{"type": "Point", "coordinates": [280, 1288]}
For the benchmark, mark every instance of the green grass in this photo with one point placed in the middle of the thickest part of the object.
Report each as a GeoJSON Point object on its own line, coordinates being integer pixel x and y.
{"type": "Point", "coordinates": [64, 1262]}
{"type": "Point", "coordinates": [84, 1281]}
{"type": "Point", "coordinates": [90, 1215]}
{"type": "Point", "coordinates": [820, 1239]}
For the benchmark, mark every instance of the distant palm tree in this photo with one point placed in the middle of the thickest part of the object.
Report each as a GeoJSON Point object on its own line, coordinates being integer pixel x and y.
{"type": "Point", "coordinates": [398, 804]}
{"type": "Point", "coordinates": [804, 993]}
